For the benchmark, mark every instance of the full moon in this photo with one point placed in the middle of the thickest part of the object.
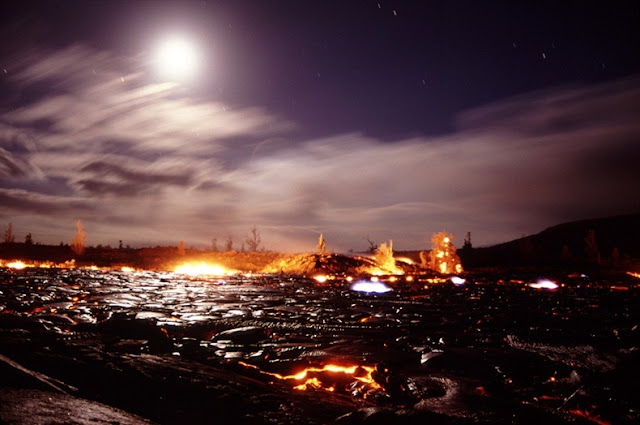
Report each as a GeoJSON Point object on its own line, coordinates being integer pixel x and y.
{"type": "Point", "coordinates": [177, 59]}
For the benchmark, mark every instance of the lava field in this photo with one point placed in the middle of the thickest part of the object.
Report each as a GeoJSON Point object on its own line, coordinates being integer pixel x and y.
{"type": "Point", "coordinates": [91, 346]}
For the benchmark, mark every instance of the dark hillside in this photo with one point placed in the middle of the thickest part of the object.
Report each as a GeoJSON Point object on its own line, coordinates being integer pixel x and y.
{"type": "Point", "coordinates": [606, 242]}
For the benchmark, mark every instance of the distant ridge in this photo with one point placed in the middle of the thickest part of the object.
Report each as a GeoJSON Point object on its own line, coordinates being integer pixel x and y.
{"type": "Point", "coordinates": [617, 239]}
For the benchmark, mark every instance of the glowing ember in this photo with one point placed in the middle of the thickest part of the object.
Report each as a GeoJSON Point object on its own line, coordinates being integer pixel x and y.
{"type": "Point", "coordinates": [127, 269]}
{"type": "Point", "coordinates": [544, 284]}
{"type": "Point", "coordinates": [376, 287]}
{"type": "Point", "coordinates": [320, 279]}
{"type": "Point", "coordinates": [326, 377]}
{"type": "Point", "coordinates": [202, 269]}
{"type": "Point", "coordinates": [634, 274]}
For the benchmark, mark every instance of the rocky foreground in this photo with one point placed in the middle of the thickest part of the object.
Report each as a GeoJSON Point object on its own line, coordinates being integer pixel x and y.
{"type": "Point", "coordinates": [82, 346]}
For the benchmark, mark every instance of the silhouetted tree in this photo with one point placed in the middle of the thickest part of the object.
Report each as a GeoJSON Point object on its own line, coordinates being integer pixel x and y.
{"type": "Point", "coordinates": [120, 244]}
{"type": "Point", "coordinates": [615, 256]}
{"type": "Point", "coordinates": [565, 255]}
{"type": "Point", "coordinates": [372, 245]}
{"type": "Point", "coordinates": [28, 240]}
{"type": "Point", "coordinates": [467, 242]}
{"type": "Point", "coordinates": [214, 244]}
{"type": "Point", "coordinates": [228, 244]}
{"type": "Point", "coordinates": [322, 245]}
{"type": "Point", "coordinates": [9, 237]}
{"type": "Point", "coordinates": [591, 247]}
{"type": "Point", "coordinates": [253, 241]}
{"type": "Point", "coordinates": [527, 250]}
{"type": "Point", "coordinates": [79, 239]}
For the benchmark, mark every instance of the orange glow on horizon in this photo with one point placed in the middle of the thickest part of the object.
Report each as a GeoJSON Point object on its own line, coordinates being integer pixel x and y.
{"type": "Point", "coordinates": [202, 269]}
{"type": "Point", "coordinates": [18, 265]}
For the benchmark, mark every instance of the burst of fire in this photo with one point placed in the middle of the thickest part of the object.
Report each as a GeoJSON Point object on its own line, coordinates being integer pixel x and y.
{"type": "Point", "coordinates": [21, 265]}
{"type": "Point", "coordinates": [202, 269]}
{"type": "Point", "coordinates": [325, 377]}
{"type": "Point", "coordinates": [443, 257]}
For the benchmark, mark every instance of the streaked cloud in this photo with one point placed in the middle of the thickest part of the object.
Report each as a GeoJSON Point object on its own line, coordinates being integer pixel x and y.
{"type": "Point", "coordinates": [151, 161]}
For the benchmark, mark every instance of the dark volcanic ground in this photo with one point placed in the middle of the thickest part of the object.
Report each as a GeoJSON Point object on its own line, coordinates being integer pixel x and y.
{"type": "Point", "coordinates": [80, 346]}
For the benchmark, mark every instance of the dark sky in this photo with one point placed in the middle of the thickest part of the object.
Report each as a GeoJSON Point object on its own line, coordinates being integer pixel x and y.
{"type": "Point", "coordinates": [387, 119]}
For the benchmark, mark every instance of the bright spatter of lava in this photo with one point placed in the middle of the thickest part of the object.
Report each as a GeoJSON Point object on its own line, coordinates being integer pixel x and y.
{"type": "Point", "coordinates": [443, 257]}
{"type": "Point", "coordinates": [356, 380]}
{"type": "Point", "coordinates": [202, 269]}
{"type": "Point", "coordinates": [20, 265]}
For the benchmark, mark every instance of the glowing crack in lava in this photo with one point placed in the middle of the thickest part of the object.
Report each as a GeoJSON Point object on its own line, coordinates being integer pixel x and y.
{"type": "Point", "coordinates": [202, 269]}
{"type": "Point", "coordinates": [327, 377]}
{"type": "Point", "coordinates": [376, 287]}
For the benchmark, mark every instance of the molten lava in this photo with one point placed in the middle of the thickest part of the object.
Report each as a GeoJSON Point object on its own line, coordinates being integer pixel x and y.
{"type": "Point", "coordinates": [202, 269]}
{"type": "Point", "coordinates": [327, 378]}
{"type": "Point", "coordinates": [443, 257]}
{"type": "Point", "coordinates": [385, 263]}
{"type": "Point", "coordinates": [18, 265]}
{"type": "Point", "coordinates": [21, 265]}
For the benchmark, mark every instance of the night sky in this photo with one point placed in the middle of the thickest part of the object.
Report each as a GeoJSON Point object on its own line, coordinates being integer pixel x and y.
{"type": "Point", "coordinates": [378, 119]}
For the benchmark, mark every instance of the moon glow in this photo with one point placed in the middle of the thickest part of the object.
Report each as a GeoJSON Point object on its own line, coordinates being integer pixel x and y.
{"type": "Point", "coordinates": [177, 60]}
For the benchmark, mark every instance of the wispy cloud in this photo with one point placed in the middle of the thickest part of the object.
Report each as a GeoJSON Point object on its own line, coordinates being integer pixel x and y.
{"type": "Point", "coordinates": [97, 140]}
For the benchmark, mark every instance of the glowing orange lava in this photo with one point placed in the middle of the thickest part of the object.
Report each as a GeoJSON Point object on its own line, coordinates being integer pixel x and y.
{"type": "Point", "coordinates": [590, 416]}
{"type": "Point", "coordinates": [202, 269]}
{"type": "Point", "coordinates": [21, 265]}
{"type": "Point", "coordinates": [443, 257]}
{"type": "Point", "coordinates": [18, 265]}
{"type": "Point", "coordinates": [320, 377]}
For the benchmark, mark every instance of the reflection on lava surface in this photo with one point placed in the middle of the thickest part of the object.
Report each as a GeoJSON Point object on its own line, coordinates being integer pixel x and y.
{"type": "Point", "coordinates": [492, 350]}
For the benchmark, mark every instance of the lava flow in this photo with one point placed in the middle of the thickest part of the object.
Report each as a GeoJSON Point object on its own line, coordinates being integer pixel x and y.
{"type": "Point", "coordinates": [202, 269]}
{"type": "Point", "coordinates": [327, 377]}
